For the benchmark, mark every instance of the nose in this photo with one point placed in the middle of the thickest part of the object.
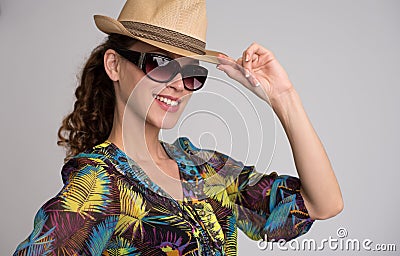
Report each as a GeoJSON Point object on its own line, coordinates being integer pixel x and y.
{"type": "Point", "coordinates": [177, 83]}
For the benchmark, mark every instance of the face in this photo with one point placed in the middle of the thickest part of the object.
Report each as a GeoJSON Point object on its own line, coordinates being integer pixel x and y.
{"type": "Point", "coordinates": [157, 104]}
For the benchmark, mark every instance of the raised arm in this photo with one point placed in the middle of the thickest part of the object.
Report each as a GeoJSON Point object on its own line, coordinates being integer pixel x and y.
{"type": "Point", "coordinates": [260, 72]}
{"type": "Point", "coordinates": [319, 188]}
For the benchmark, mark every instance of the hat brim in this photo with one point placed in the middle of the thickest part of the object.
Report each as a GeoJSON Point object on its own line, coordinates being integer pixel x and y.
{"type": "Point", "coordinates": [109, 25]}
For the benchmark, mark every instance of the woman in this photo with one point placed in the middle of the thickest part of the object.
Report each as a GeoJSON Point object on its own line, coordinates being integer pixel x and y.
{"type": "Point", "coordinates": [128, 193]}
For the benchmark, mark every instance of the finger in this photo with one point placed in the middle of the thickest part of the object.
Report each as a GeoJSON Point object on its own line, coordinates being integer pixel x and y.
{"type": "Point", "coordinates": [255, 54]}
{"type": "Point", "coordinates": [251, 78]}
{"type": "Point", "coordinates": [222, 57]}
{"type": "Point", "coordinates": [234, 73]}
{"type": "Point", "coordinates": [231, 71]}
{"type": "Point", "coordinates": [226, 60]}
{"type": "Point", "coordinates": [245, 63]}
{"type": "Point", "coordinates": [239, 61]}
{"type": "Point", "coordinates": [245, 72]}
{"type": "Point", "coordinates": [230, 62]}
{"type": "Point", "coordinates": [255, 58]}
{"type": "Point", "coordinates": [255, 48]}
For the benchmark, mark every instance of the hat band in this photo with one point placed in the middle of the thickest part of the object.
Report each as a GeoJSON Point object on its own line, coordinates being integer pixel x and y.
{"type": "Point", "coordinates": [164, 35]}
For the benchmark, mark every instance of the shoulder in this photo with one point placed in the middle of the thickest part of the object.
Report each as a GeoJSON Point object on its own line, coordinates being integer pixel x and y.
{"type": "Point", "coordinates": [217, 160]}
{"type": "Point", "coordinates": [189, 148]}
{"type": "Point", "coordinates": [90, 187]}
{"type": "Point", "coordinates": [93, 161]}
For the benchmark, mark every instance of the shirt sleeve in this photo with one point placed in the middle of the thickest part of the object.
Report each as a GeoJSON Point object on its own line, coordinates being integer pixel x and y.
{"type": "Point", "coordinates": [267, 206]}
{"type": "Point", "coordinates": [270, 206]}
{"type": "Point", "coordinates": [80, 219]}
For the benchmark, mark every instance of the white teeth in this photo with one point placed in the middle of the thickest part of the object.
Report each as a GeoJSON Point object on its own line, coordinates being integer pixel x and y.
{"type": "Point", "coordinates": [167, 101]}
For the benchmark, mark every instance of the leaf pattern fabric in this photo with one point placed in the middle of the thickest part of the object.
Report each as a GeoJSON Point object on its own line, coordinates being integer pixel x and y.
{"type": "Point", "coordinates": [109, 206]}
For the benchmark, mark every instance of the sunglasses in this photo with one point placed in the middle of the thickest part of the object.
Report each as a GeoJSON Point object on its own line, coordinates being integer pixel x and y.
{"type": "Point", "coordinates": [163, 69]}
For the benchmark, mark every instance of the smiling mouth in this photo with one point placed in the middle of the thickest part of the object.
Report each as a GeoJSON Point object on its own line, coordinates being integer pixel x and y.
{"type": "Point", "coordinates": [167, 101]}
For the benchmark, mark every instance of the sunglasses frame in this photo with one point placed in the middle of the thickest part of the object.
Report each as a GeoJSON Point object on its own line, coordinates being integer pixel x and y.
{"type": "Point", "coordinates": [138, 59]}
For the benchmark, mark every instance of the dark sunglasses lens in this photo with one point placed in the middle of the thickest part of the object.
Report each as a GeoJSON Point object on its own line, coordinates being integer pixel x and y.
{"type": "Point", "coordinates": [194, 76]}
{"type": "Point", "coordinates": [159, 68]}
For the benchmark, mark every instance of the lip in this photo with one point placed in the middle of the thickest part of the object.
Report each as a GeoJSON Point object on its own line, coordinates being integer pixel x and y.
{"type": "Point", "coordinates": [168, 97]}
{"type": "Point", "coordinates": [166, 107]}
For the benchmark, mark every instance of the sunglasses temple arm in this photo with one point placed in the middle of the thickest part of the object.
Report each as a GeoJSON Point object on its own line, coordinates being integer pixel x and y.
{"type": "Point", "coordinates": [141, 61]}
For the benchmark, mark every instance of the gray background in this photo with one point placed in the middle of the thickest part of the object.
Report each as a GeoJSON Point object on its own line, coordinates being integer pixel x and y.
{"type": "Point", "coordinates": [342, 57]}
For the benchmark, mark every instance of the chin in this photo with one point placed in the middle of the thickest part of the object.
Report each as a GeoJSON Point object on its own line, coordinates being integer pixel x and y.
{"type": "Point", "coordinates": [168, 122]}
{"type": "Point", "coordinates": [161, 125]}
{"type": "Point", "coordinates": [161, 119]}
{"type": "Point", "coordinates": [164, 119]}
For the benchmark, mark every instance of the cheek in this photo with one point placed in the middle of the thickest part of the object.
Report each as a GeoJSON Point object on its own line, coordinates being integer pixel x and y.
{"type": "Point", "coordinates": [128, 82]}
{"type": "Point", "coordinates": [129, 90]}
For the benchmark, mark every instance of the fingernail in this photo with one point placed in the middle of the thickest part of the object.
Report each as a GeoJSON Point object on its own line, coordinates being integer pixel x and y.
{"type": "Point", "coordinates": [247, 73]}
{"type": "Point", "coordinates": [257, 84]}
{"type": "Point", "coordinates": [247, 57]}
{"type": "Point", "coordinates": [218, 67]}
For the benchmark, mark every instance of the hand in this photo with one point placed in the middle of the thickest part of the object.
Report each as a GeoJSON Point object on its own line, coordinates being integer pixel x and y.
{"type": "Point", "coordinates": [259, 71]}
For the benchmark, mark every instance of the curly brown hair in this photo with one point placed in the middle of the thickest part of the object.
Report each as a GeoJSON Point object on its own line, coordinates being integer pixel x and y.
{"type": "Point", "coordinates": [91, 120]}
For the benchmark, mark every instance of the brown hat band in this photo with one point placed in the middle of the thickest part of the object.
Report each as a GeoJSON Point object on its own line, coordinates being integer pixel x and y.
{"type": "Point", "coordinates": [165, 36]}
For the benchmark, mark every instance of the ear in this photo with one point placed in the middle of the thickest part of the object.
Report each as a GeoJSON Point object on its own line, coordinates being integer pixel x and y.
{"type": "Point", "coordinates": [111, 64]}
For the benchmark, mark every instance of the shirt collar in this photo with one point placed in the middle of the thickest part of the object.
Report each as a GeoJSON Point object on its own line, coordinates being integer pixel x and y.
{"type": "Point", "coordinates": [180, 150]}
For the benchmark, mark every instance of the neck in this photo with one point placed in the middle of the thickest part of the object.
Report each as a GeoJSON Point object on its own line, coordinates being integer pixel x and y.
{"type": "Point", "coordinates": [139, 139]}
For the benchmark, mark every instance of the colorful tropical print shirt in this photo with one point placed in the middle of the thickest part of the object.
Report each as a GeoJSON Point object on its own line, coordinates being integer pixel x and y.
{"type": "Point", "coordinates": [109, 206]}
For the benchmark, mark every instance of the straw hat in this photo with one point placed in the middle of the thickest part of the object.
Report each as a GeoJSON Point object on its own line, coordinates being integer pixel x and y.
{"type": "Point", "coordinates": [178, 26]}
